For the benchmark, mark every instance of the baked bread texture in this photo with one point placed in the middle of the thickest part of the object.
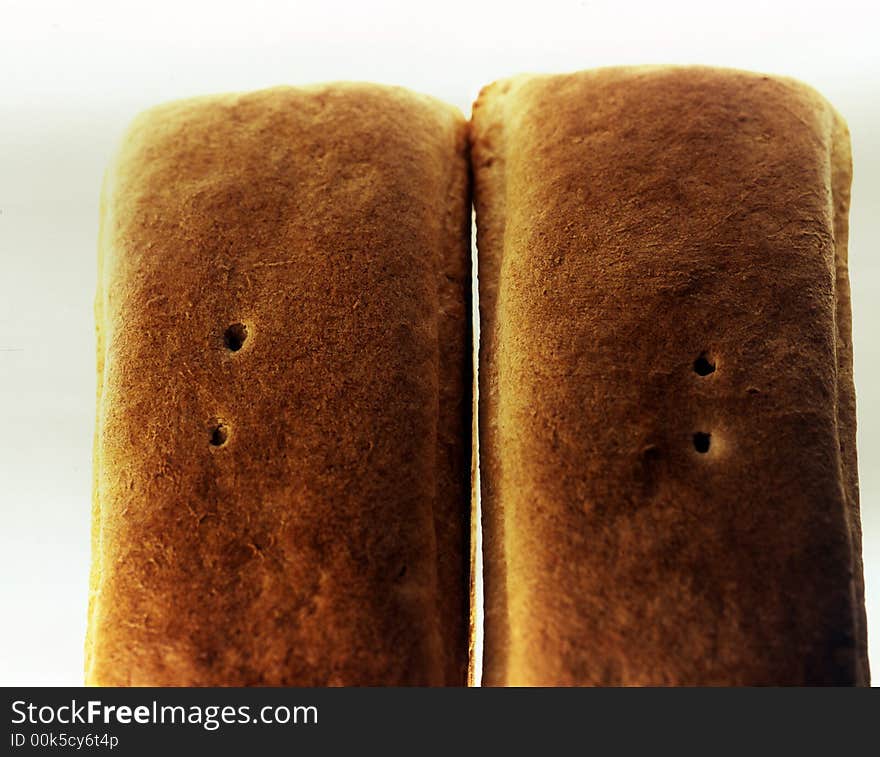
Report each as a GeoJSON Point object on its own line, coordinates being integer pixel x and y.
{"type": "Point", "coordinates": [282, 444]}
{"type": "Point", "coordinates": [667, 415]}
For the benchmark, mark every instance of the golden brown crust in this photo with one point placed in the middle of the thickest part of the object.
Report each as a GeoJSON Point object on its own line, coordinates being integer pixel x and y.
{"type": "Point", "coordinates": [629, 221]}
{"type": "Point", "coordinates": [841, 176]}
{"type": "Point", "coordinates": [324, 542]}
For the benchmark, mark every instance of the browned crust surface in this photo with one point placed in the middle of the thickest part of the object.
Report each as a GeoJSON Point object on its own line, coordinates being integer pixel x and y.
{"type": "Point", "coordinates": [630, 220]}
{"type": "Point", "coordinates": [326, 541]}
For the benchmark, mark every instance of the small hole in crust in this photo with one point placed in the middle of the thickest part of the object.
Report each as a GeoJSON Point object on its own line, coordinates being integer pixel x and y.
{"type": "Point", "coordinates": [703, 366]}
{"type": "Point", "coordinates": [702, 441]}
{"type": "Point", "coordinates": [402, 572]}
{"type": "Point", "coordinates": [234, 337]}
{"type": "Point", "coordinates": [219, 435]}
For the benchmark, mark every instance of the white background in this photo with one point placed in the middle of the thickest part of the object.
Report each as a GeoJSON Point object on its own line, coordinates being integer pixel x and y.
{"type": "Point", "coordinates": [73, 74]}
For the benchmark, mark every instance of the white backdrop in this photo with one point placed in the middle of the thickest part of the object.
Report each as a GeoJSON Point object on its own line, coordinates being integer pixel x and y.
{"type": "Point", "coordinates": [72, 74]}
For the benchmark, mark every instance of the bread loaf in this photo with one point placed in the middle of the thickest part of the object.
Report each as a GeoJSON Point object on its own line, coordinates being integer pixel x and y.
{"type": "Point", "coordinates": [282, 447]}
{"type": "Point", "coordinates": [667, 416]}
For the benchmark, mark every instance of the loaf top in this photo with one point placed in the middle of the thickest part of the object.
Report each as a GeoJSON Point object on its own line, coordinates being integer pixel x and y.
{"type": "Point", "coordinates": [276, 270]}
{"type": "Point", "coordinates": [668, 467]}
